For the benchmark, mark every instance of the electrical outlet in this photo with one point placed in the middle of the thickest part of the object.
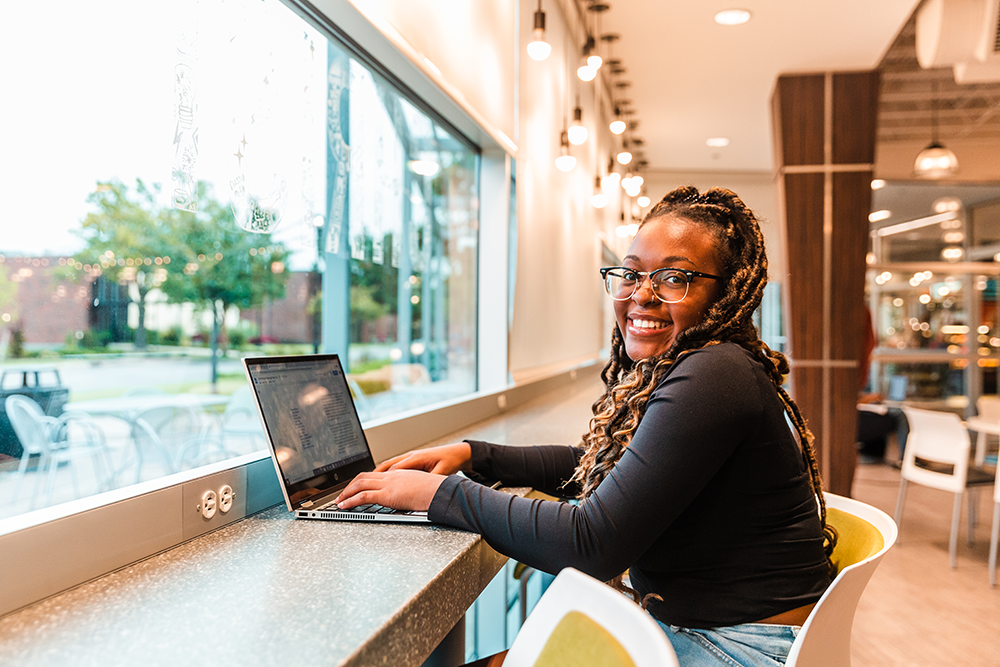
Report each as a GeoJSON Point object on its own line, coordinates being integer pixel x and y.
{"type": "Point", "coordinates": [209, 504]}
{"type": "Point", "coordinates": [213, 501]}
{"type": "Point", "coordinates": [226, 495]}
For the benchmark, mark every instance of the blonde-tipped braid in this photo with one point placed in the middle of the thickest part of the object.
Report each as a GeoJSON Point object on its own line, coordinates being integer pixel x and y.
{"type": "Point", "coordinates": [629, 383]}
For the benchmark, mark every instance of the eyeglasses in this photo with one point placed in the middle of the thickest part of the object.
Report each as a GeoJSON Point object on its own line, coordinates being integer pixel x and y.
{"type": "Point", "coordinates": [668, 285]}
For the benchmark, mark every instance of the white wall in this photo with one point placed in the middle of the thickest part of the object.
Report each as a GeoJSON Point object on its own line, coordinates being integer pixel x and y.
{"type": "Point", "coordinates": [479, 50]}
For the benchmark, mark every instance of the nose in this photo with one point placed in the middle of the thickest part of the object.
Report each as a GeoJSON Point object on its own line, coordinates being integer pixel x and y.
{"type": "Point", "coordinates": [644, 291]}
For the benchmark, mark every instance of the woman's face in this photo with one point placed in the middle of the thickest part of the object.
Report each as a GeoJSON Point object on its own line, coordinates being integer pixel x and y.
{"type": "Point", "coordinates": [648, 325]}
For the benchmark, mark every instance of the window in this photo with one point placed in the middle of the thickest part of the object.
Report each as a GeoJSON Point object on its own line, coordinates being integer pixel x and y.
{"type": "Point", "coordinates": [230, 183]}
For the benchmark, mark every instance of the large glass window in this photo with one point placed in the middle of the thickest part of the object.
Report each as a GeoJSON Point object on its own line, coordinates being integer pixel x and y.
{"type": "Point", "coordinates": [189, 183]}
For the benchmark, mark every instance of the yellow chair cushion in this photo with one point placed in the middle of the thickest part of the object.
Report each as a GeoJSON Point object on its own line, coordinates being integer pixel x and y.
{"type": "Point", "coordinates": [856, 538]}
{"type": "Point", "coordinates": [579, 640]}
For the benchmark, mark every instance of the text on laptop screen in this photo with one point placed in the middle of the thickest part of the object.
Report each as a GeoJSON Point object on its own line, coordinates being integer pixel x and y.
{"type": "Point", "coordinates": [315, 428]}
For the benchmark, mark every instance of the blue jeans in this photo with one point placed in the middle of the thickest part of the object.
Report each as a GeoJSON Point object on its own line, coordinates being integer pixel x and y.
{"type": "Point", "coordinates": [746, 645]}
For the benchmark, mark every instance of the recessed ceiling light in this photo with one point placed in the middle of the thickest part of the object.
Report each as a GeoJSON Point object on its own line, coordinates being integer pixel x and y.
{"type": "Point", "coordinates": [732, 17]}
{"type": "Point", "coordinates": [717, 141]}
{"type": "Point", "coordinates": [878, 184]}
{"type": "Point", "coordinates": [877, 216]}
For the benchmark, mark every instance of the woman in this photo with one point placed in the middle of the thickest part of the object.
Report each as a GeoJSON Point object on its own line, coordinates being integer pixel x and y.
{"type": "Point", "coordinates": [689, 477]}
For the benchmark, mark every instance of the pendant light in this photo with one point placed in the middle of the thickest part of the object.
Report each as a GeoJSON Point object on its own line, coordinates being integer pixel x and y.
{"type": "Point", "coordinates": [617, 126]}
{"type": "Point", "coordinates": [577, 132]}
{"type": "Point", "coordinates": [624, 156]}
{"type": "Point", "coordinates": [538, 48]}
{"type": "Point", "coordinates": [598, 199]}
{"type": "Point", "coordinates": [594, 58]}
{"type": "Point", "coordinates": [935, 161]}
{"type": "Point", "coordinates": [565, 161]}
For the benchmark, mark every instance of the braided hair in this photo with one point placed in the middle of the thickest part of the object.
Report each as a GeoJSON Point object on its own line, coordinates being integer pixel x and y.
{"type": "Point", "coordinates": [629, 383]}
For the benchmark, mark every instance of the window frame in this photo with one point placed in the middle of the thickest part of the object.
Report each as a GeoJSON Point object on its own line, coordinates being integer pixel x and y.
{"type": "Point", "coordinates": [153, 513]}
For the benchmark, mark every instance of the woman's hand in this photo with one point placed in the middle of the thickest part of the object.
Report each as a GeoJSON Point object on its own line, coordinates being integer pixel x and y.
{"type": "Point", "coordinates": [443, 460]}
{"type": "Point", "coordinates": [398, 489]}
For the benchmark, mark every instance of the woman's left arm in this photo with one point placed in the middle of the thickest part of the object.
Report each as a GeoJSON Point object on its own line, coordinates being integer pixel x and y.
{"type": "Point", "coordinates": [693, 423]}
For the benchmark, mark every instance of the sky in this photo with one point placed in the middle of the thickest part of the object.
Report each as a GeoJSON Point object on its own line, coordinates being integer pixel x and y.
{"type": "Point", "coordinates": [90, 96]}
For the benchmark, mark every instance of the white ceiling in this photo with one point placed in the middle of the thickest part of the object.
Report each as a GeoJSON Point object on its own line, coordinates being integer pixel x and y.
{"type": "Point", "coordinates": [693, 79]}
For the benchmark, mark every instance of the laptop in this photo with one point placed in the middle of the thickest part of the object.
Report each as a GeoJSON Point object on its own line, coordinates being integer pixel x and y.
{"type": "Point", "coordinates": [315, 436]}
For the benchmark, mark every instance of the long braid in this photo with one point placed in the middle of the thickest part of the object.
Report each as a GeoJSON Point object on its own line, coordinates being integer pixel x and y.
{"type": "Point", "coordinates": [628, 384]}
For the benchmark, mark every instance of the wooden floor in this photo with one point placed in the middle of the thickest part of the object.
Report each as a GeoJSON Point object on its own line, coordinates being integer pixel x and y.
{"type": "Point", "coordinates": [917, 611]}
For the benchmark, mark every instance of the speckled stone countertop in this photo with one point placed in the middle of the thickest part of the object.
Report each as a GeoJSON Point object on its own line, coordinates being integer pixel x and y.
{"type": "Point", "coordinates": [273, 590]}
{"type": "Point", "coordinates": [269, 590]}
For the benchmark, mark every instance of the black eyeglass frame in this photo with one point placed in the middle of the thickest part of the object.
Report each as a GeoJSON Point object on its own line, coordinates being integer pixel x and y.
{"type": "Point", "coordinates": [688, 275]}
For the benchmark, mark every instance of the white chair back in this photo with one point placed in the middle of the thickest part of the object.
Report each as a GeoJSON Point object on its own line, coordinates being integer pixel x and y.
{"type": "Point", "coordinates": [988, 408]}
{"type": "Point", "coordinates": [635, 630]}
{"type": "Point", "coordinates": [825, 638]}
{"type": "Point", "coordinates": [29, 424]}
{"type": "Point", "coordinates": [937, 437]}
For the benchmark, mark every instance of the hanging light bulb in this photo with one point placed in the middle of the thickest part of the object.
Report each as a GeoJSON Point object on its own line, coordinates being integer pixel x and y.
{"type": "Point", "coordinates": [565, 161]}
{"type": "Point", "coordinates": [624, 156]}
{"type": "Point", "coordinates": [594, 61]}
{"type": "Point", "coordinates": [638, 180]}
{"type": "Point", "coordinates": [617, 126]}
{"type": "Point", "coordinates": [627, 180]}
{"type": "Point", "coordinates": [613, 178]}
{"type": "Point", "coordinates": [935, 161]}
{"type": "Point", "coordinates": [538, 48]}
{"type": "Point", "coordinates": [586, 73]}
{"type": "Point", "coordinates": [577, 132]}
{"type": "Point", "coordinates": [642, 201]}
{"type": "Point", "coordinates": [598, 199]}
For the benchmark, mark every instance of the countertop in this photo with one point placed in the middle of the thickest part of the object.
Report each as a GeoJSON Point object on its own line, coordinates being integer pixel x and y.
{"type": "Point", "coordinates": [267, 590]}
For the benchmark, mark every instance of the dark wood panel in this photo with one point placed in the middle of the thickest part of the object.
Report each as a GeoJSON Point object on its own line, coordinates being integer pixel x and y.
{"type": "Point", "coordinates": [800, 103]}
{"type": "Point", "coordinates": [843, 430]}
{"type": "Point", "coordinates": [804, 229]}
{"type": "Point", "coordinates": [807, 391]}
{"type": "Point", "coordinates": [855, 110]}
{"type": "Point", "coordinates": [851, 205]}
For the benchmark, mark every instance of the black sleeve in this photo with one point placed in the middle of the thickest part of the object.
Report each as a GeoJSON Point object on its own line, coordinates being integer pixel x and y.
{"type": "Point", "coordinates": [543, 467]}
{"type": "Point", "coordinates": [693, 422]}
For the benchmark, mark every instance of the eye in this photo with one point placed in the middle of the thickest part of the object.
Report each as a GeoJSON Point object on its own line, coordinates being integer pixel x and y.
{"type": "Point", "coordinates": [672, 279]}
{"type": "Point", "coordinates": [628, 275]}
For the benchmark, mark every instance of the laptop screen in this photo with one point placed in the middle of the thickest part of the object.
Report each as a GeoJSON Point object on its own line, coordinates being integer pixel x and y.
{"type": "Point", "coordinates": [312, 425]}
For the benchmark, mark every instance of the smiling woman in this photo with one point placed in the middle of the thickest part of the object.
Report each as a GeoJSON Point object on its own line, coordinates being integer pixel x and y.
{"type": "Point", "coordinates": [688, 478]}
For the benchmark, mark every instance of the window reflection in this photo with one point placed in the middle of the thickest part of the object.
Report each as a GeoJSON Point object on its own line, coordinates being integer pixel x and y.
{"type": "Point", "coordinates": [238, 185]}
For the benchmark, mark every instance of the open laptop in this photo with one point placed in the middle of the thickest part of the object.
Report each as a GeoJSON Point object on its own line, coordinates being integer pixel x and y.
{"type": "Point", "coordinates": [315, 436]}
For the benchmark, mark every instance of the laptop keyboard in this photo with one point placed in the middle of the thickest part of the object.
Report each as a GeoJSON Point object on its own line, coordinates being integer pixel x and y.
{"type": "Point", "coordinates": [364, 509]}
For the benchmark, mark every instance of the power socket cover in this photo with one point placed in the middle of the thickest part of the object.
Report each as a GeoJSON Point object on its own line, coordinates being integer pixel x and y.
{"type": "Point", "coordinates": [209, 504]}
{"type": "Point", "coordinates": [226, 495]}
{"type": "Point", "coordinates": [193, 522]}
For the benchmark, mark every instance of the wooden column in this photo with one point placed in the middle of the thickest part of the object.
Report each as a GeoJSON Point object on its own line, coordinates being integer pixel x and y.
{"type": "Point", "coordinates": [825, 140]}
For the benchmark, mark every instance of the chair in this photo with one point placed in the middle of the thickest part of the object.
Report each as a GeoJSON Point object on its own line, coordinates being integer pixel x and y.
{"type": "Point", "coordinates": [162, 435]}
{"type": "Point", "coordinates": [987, 422]}
{"type": "Point", "coordinates": [864, 535]}
{"type": "Point", "coordinates": [55, 441]}
{"type": "Point", "coordinates": [937, 455]}
{"type": "Point", "coordinates": [240, 420]}
{"type": "Point", "coordinates": [995, 532]}
{"type": "Point", "coordinates": [581, 621]}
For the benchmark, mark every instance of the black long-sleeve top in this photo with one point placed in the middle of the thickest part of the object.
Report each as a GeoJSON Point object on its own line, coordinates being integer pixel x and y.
{"type": "Point", "coordinates": [710, 506]}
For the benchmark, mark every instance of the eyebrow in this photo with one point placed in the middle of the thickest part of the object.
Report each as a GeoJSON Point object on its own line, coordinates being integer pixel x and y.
{"type": "Point", "coordinates": [667, 261]}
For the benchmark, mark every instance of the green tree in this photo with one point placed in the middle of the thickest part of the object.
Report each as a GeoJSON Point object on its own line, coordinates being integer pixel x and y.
{"type": "Point", "coordinates": [8, 300]}
{"type": "Point", "coordinates": [221, 265]}
{"type": "Point", "coordinates": [129, 240]}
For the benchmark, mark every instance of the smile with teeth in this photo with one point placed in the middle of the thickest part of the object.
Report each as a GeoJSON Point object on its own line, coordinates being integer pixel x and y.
{"type": "Point", "coordinates": [647, 324]}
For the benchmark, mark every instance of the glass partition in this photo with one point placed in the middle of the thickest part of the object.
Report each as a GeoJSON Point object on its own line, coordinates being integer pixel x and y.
{"type": "Point", "coordinates": [197, 182]}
